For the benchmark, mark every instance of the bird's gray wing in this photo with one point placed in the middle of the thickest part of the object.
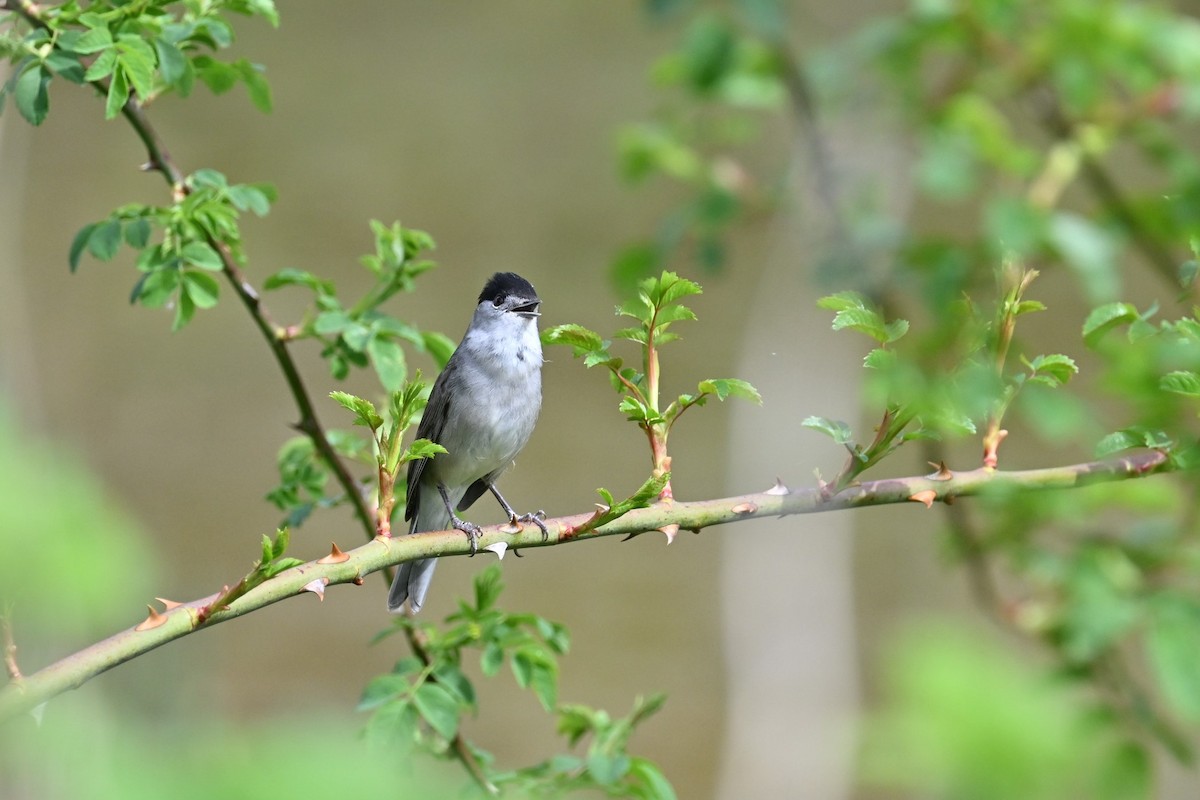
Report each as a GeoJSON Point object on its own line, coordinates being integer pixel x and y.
{"type": "Point", "coordinates": [474, 492]}
{"type": "Point", "coordinates": [433, 423]}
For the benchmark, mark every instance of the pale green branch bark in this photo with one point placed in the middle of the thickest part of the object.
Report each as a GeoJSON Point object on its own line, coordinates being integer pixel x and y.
{"type": "Point", "coordinates": [76, 669]}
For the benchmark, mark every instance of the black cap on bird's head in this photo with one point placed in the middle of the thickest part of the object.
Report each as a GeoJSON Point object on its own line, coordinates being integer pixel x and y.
{"type": "Point", "coordinates": [505, 284]}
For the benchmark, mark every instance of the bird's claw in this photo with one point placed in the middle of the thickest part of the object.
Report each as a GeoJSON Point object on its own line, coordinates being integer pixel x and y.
{"type": "Point", "coordinates": [472, 531]}
{"type": "Point", "coordinates": [534, 517]}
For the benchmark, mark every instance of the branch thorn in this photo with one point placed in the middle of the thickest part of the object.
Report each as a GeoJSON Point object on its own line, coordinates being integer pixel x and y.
{"type": "Point", "coordinates": [336, 556]}
{"type": "Point", "coordinates": [926, 496]}
{"type": "Point", "coordinates": [778, 488]}
{"type": "Point", "coordinates": [941, 471]}
{"type": "Point", "coordinates": [669, 531]}
{"type": "Point", "coordinates": [152, 621]}
{"type": "Point", "coordinates": [168, 604]}
{"type": "Point", "coordinates": [317, 587]}
{"type": "Point", "coordinates": [741, 509]}
{"type": "Point", "coordinates": [499, 548]}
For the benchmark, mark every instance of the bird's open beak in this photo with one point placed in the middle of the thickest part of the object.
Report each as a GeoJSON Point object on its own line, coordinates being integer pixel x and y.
{"type": "Point", "coordinates": [529, 309]}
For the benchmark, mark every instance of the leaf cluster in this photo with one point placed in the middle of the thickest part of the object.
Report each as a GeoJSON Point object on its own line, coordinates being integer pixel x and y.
{"type": "Point", "coordinates": [656, 308]}
{"type": "Point", "coordinates": [359, 333]}
{"type": "Point", "coordinates": [421, 703]}
{"type": "Point", "coordinates": [130, 50]}
{"type": "Point", "coordinates": [177, 245]}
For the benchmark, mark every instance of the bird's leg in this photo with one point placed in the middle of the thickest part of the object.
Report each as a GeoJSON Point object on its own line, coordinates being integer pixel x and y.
{"type": "Point", "coordinates": [535, 517]}
{"type": "Point", "coordinates": [472, 530]}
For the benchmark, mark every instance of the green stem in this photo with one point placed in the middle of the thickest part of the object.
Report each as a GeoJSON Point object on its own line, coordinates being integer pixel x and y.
{"type": "Point", "coordinates": [378, 554]}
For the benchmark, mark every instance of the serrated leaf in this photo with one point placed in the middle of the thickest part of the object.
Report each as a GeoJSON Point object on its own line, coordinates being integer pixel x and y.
{"type": "Point", "coordinates": [838, 431]}
{"type": "Point", "coordinates": [1181, 382]}
{"type": "Point", "coordinates": [93, 41]}
{"type": "Point", "coordinates": [137, 60]}
{"type": "Point", "coordinates": [202, 256]}
{"type": "Point", "coordinates": [388, 359]}
{"type": "Point", "coordinates": [78, 244]}
{"type": "Point", "coordinates": [842, 301]}
{"type": "Point", "coordinates": [266, 550]}
{"type": "Point", "coordinates": [863, 320]}
{"type": "Point", "coordinates": [172, 64]}
{"type": "Point", "coordinates": [185, 309]}
{"type": "Point", "coordinates": [137, 232]}
{"type": "Point", "coordinates": [1059, 368]}
{"type": "Point", "coordinates": [282, 565]}
{"type": "Point", "coordinates": [582, 339]}
{"type": "Point", "coordinates": [423, 448]}
{"type": "Point", "coordinates": [282, 537]}
{"type": "Point", "coordinates": [118, 94]}
{"type": "Point", "coordinates": [731, 387]}
{"type": "Point", "coordinates": [653, 783]}
{"type": "Point", "coordinates": [202, 288]}
{"type": "Point", "coordinates": [31, 94]}
{"type": "Point", "coordinates": [880, 359]}
{"type": "Point", "coordinates": [1106, 317]}
{"type": "Point", "coordinates": [102, 67]}
{"type": "Point", "coordinates": [105, 240]}
{"type": "Point", "coordinates": [382, 689]}
{"type": "Point", "coordinates": [363, 410]}
{"type": "Point", "coordinates": [438, 708]}
{"type": "Point", "coordinates": [544, 682]}
{"type": "Point", "coordinates": [289, 276]}
{"type": "Point", "coordinates": [1027, 307]}
{"type": "Point", "coordinates": [670, 288]}
{"type": "Point", "coordinates": [488, 586]}
{"type": "Point", "coordinates": [331, 322]}
{"type": "Point", "coordinates": [491, 660]}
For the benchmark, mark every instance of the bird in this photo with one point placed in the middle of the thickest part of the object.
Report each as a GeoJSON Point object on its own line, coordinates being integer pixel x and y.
{"type": "Point", "coordinates": [482, 410]}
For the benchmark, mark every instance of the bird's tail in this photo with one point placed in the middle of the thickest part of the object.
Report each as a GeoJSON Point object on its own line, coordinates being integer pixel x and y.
{"type": "Point", "coordinates": [413, 578]}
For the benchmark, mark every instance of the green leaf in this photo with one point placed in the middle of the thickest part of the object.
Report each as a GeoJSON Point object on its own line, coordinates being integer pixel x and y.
{"type": "Point", "coordinates": [438, 345]}
{"type": "Point", "coordinates": [102, 67]}
{"type": "Point", "coordinates": [118, 94]}
{"type": "Point", "coordinates": [730, 387]}
{"type": "Point", "coordinates": [93, 41]}
{"type": "Point", "coordinates": [651, 781]}
{"type": "Point", "coordinates": [1106, 317]}
{"type": "Point", "coordinates": [607, 768]}
{"type": "Point", "coordinates": [137, 60]}
{"type": "Point", "coordinates": [250, 198]}
{"type": "Point", "coordinates": [217, 76]}
{"type": "Point", "coordinates": [382, 689]}
{"type": "Point", "coordinates": [202, 256]}
{"type": "Point", "coordinates": [137, 232]}
{"type": "Point", "coordinates": [491, 660]}
{"type": "Point", "coordinates": [78, 244]}
{"type": "Point", "coordinates": [488, 586]}
{"type": "Point", "coordinates": [1057, 367]}
{"type": "Point", "coordinates": [1181, 382]}
{"type": "Point", "coordinates": [395, 723]}
{"type": "Point", "coordinates": [578, 337]}
{"type": "Point", "coordinates": [388, 359]}
{"type": "Point", "coordinates": [172, 63]}
{"type": "Point", "coordinates": [880, 359]}
{"type": "Point", "coordinates": [331, 322]}
{"type": "Point", "coordinates": [202, 288]}
{"type": "Point", "coordinates": [105, 240]}
{"type": "Point", "coordinates": [290, 276]}
{"type": "Point", "coordinates": [437, 708]}
{"type": "Point", "coordinates": [185, 309]}
{"type": "Point", "coordinates": [256, 84]}
{"type": "Point", "coordinates": [422, 448]}
{"type": "Point", "coordinates": [838, 431]}
{"type": "Point", "coordinates": [363, 410]}
{"type": "Point", "coordinates": [1173, 644]}
{"type": "Point", "coordinates": [32, 95]}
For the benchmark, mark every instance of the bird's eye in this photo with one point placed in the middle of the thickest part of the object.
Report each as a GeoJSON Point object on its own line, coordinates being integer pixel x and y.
{"type": "Point", "coordinates": [499, 301]}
